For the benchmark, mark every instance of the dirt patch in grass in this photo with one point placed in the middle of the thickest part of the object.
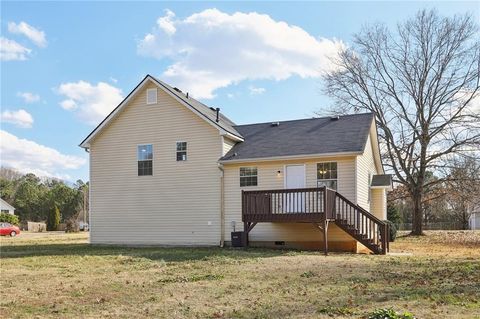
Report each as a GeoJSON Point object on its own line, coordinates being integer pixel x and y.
{"type": "Point", "coordinates": [62, 276]}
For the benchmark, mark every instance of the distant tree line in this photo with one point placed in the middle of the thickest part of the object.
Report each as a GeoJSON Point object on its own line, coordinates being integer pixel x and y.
{"type": "Point", "coordinates": [43, 199]}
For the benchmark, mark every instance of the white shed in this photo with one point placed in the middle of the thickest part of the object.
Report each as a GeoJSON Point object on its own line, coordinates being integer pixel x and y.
{"type": "Point", "coordinates": [474, 221]}
{"type": "Point", "coordinates": [6, 207]}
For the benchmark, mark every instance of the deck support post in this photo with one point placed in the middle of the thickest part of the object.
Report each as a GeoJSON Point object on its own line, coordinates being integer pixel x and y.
{"type": "Point", "coordinates": [324, 229]}
{"type": "Point", "coordinates": [245, 234]}
{"type": "Point", "coordinates": [247, 227]}
{"type": "Point", "coordinates": [325, 236]}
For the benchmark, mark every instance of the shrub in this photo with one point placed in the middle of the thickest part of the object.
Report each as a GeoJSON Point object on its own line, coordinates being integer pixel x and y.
{"type": "Point", "coordinates": [393, 230]}
{"type": "Point", "coordinates": [393, 214]}
{"type": "Point", "coordinates": [336, 311]}
{"type": "Point", "coordinates": [390, 314]}
{"type": "Point", "coordinates": [53, 219]}
{"type": "Point", "coordinates": [308, 274]}
{"type": "Point", "coordinates": [8, 218]}
{"type": "Point", "coordinates": [71, 225]}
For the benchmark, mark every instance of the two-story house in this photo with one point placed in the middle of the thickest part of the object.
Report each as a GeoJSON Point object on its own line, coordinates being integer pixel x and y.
{"type": "Point", "coordinates": [166, 169]}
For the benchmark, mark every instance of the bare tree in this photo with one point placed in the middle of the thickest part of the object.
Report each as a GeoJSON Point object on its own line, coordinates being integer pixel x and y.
{"type": "Point", "coordinates": [420, 81]}
{"type": "Point", "coordinates": [9, 173]}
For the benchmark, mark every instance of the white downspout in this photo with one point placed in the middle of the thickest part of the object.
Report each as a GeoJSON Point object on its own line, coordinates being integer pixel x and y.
{"type": "Point", "coordinates": [222, 206]}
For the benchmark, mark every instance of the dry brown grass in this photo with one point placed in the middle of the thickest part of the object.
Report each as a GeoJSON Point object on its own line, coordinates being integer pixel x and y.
{"type": "Point", "coordinates": [454, 243]}
{"type": "Point", "coordinates": [60, 276]}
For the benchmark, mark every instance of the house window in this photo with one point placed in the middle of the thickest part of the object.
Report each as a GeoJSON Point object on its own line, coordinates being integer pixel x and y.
{"type": "Point", "coordinates": [327, 175]}
{"type": "Point", "coordinates": [181, 151]}
{"type": "Point", "coordinates": [5, 211]}
{"type": "Point", "coordinates": [151, 96]}
{"type": "Point", "coordinates": [145, 159]}
{"type": "Point", "coordinates": [248, 176]}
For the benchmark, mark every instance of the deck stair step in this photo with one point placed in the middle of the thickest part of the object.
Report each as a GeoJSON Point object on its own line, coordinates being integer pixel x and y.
{"type": "Point", "coordinates": [361, 225]}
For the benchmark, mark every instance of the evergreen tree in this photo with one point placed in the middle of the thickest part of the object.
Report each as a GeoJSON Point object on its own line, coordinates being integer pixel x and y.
{"type": "Point", "coordinates": [53, 219]}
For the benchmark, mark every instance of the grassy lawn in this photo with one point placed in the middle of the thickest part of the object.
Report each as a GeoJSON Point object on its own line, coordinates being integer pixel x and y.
{"type": "Point", "coordinates": [60, 275]}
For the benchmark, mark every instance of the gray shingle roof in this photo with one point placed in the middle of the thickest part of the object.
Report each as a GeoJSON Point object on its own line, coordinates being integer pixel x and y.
{"type": "Point", "coordinates": [211, 115]}
{"type": "Point", "coordinates": [381, 180]}
{"type": "Point", "coordinates": [302, 137]}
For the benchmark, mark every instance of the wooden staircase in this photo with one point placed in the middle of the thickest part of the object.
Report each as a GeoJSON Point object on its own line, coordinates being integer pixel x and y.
{"type": "Point", "coordinates": [372, 232]}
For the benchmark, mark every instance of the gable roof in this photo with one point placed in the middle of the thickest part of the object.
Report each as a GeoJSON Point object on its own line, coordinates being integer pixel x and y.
{"type": "Point", "coordinates": [4, 204]}
{"type": "Point", "coordinates": [327, 135]}
{"type": "Point", "coordinates": [381, 181]}
{"type": "Point", "coordinates": [225, 125]}
{"type": "Point", "coordinates": [210, 113]}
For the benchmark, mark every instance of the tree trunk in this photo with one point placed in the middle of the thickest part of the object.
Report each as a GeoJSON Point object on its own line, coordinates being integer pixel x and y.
{"type": "Point", "coordinates": [465, 217]}
{"type": "Point", "coordinates": [417, 225]}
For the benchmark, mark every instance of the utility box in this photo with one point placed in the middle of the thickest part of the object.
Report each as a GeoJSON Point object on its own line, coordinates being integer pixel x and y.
{"type": "Point", "coordinates": [238, 238]}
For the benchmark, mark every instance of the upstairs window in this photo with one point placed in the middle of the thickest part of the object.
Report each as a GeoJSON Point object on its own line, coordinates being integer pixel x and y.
{"type": "Point", "coordinates": [145, 159]}
{"type": "Point", "coordinates": [151, 96]}
{"type": "Point", "coordinates": [248, 176]}
{"type": "Point", "coordinates": [181, 151]}
{"type": "Point", "coordinates": [327, 175]}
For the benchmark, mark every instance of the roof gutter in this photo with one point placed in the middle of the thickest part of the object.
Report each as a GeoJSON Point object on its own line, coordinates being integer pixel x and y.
{"type": "Point", "coordinates": [388, 187]}
{"type": "Point", "coordinates": [288, 157]}
{"type": "Point", "coordinates": [230, 136]}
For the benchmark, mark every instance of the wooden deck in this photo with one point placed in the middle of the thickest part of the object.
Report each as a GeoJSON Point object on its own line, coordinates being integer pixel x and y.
{"type": "Point", "coordinates": [285, 218]}
{"type": "Point", "coordinates": [287, 205]}
{"type": "Point", "coordinates": [318, 206]}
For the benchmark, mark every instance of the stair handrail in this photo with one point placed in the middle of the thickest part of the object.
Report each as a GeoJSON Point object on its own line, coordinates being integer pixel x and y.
{"type": "Point", "coordinates": [363, 210]}
{"type": "Point", "coordinates": [382, 226]}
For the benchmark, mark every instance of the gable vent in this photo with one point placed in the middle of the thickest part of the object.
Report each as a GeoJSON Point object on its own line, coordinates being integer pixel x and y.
{"type": "Point", "coordinates": [152, 96]}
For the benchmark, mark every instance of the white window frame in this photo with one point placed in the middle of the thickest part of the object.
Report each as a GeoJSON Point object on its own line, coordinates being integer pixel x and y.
{"type": "Point", "coordinates": [326, 179]}
{"type": "Point", "coordinates": [138, 160]}
{"type": "Point", "coordinates": [186, 151]}
{"type": "Point", "coordinates": [240, 177]}
{"type": "Point", "coordinates": [148, 94]}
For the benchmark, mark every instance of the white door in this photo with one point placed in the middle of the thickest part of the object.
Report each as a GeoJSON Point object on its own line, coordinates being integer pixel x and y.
{"type": "Point", "coordinates": [294, 178]}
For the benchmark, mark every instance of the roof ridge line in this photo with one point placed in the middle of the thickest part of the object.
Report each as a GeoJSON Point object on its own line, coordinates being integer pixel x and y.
{"type": "Point", "coordinates": [305, 119]}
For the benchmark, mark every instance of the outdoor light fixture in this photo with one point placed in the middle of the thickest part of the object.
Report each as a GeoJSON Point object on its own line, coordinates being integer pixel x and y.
{"type": "Point", "coordinates": [279, 173]}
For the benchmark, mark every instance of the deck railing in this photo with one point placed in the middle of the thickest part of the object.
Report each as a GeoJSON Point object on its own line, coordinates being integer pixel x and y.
{"type": "Point", "coordinates": [286, 204]}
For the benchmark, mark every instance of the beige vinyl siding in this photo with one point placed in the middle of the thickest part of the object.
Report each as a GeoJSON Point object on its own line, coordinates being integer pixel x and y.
{"type": "Point", "coordinates": [177, 203]}
{"type": "Point", "coordinates": [268, 178]}
{"type": "Point", "coordinates": [227, 145]}
{"type": "Point", "coordinates": [365, 165]}
{"type": "Point", "coordinates": [379, 203]}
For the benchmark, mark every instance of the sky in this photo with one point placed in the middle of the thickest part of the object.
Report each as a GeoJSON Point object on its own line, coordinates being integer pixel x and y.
{"type": "Point", "coordinates": [66, 65]}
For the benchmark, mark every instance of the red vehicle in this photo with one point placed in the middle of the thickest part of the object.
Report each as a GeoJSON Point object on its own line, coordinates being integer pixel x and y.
{"type": "Point", "coordinates": [7, 229]}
